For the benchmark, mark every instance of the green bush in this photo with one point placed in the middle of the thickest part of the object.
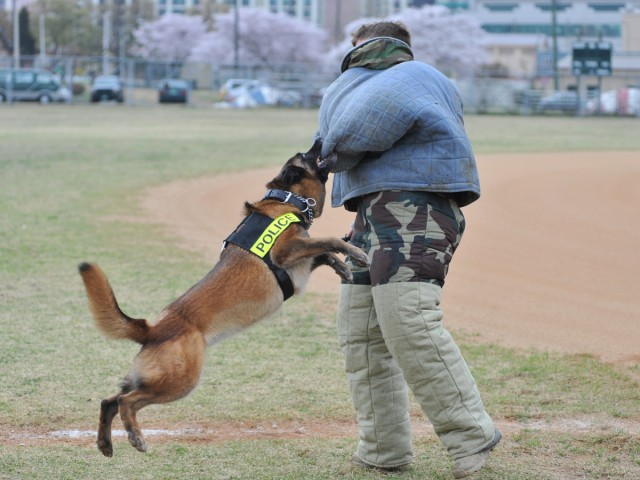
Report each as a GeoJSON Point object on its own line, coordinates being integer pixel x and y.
{"type": "Point", "coordinates": [78, 88]}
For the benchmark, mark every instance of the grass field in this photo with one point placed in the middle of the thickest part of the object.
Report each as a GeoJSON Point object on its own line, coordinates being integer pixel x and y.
{"type": "Point", "coordinates": [71, 177]}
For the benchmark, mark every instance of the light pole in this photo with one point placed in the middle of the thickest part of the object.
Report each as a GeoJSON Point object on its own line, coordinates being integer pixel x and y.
{"type": "Point", "coordinates": [16, 36]}
{"type": "Point", "coordinates": [43, 41]}
{"type": "Point", "coordinates": [236, 36]}
{"type": "Point", "coordinates": [554, 45]}
{"type": "Point", "coordinates": [106, 41]}
{"type": "Point", "coordinates": [337, 31]}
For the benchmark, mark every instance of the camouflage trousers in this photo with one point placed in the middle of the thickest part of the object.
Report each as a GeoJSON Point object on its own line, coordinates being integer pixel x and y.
{"type": "Point", "coordinates": [391, 333]}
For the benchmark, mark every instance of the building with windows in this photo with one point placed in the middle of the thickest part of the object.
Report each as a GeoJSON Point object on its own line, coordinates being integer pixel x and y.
{"type": "Point", "coordinates": [631, 32]}
{"type": "Point", "coordinates": [309, 10]}
{"type": "Point", "coordinates": [574, 19]}
{"type": "Point", "coordinates": [522, 31]}
{"type": "Point", "coordinates": [332, 15]}
{"type": "Point", "coordinates": [176, 6]}
{"type": "Point", "coordinates": [384, 8]}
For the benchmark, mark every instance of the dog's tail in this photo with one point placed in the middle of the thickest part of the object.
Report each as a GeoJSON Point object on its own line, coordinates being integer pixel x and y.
{"type": "Point", "coordinates": [111, 321]}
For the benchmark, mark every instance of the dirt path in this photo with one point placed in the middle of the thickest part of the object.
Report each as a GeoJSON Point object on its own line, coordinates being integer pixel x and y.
{"type": "Point", "coordinates": [549, 261]}
{"type": "Point", "coordinates": [242, 431]}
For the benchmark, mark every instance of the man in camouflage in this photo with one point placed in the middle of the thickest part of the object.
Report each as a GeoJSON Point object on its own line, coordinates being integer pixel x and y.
{"type": "Point", "coordinates": [403, 162]}
{"type": "Point", "coordinates": [410, 237]}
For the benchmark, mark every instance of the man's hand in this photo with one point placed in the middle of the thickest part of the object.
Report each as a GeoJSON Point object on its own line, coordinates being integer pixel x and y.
{"type": "Point", "coordinates": [349, 234]}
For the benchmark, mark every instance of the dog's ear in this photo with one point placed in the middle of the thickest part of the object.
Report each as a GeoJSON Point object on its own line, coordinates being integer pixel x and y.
{"type": "Point", "coordinates": [291, 175]}
{"type": "Point", "coordinates": [288, 176]}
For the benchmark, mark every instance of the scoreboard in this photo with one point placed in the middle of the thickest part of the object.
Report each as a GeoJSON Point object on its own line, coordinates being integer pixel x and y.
{"type": "Point", "coordinates": [591, 58]}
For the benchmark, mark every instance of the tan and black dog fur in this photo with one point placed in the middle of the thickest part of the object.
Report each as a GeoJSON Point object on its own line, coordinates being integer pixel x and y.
{"type": "Point", "coordinates": [237, 292]}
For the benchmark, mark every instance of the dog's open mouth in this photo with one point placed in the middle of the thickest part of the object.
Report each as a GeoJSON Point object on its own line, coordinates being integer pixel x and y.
{"type": "Point", "coordinates": [327, 162]}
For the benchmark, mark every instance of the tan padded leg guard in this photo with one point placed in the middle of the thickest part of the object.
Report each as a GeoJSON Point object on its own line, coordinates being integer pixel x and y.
{"type": "Point", "coordinates": [377, 387]}
{"type": "Point", "coordinates": [411, 322]}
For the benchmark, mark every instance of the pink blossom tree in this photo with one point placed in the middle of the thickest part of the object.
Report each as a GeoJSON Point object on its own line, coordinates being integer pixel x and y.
{"type": "Point", "coordinates": [333, 58]}
{"type": "Point", "coordinates": [171, 38]}
{"type": "Point", "coordinates": [263, 38]}
{"type": "Point", "coordinates": [451, 42]}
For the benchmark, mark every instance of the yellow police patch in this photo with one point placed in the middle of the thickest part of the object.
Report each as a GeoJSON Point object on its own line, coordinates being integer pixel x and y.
{"type": "Point", "coordinates": [267, 238]}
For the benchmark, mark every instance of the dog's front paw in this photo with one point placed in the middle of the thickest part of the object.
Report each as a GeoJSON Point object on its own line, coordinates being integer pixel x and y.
{"type": "Point", "coordinates": [338, 266]}
{"type": "Point", "coordinates": [343, 270]}
{"type": "Point", "coordinates": [358, 257]}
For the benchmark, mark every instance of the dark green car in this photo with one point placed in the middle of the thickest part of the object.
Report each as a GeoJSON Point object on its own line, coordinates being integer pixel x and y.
{"type": "Point", "coordinates": [31, 84]}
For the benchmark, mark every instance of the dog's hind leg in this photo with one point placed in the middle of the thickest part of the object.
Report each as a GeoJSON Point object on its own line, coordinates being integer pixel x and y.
{"type": "Point", "coordinates": [108, 410]}
{"type": "Point", "coordinates": [129, 406]}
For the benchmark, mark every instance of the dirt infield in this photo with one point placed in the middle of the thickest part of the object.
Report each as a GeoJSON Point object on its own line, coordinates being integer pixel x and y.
{"type": "Point", "coordinates": [549, 260]}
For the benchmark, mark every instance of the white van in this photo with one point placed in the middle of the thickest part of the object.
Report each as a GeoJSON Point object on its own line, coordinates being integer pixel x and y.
{"type": "Point", "coordinates": [31, 84]}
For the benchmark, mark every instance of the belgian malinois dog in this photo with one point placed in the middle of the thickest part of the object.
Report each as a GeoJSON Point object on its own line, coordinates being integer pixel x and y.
{"type": "Point", "coordinates": [253, 277]}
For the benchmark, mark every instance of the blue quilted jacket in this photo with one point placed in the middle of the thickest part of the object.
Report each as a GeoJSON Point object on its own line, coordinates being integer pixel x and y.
{"type": "Point", "coordinates": [400, 128]}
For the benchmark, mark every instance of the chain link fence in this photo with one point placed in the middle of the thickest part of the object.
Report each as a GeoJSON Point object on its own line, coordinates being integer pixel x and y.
{"type": "Point", "coordinates": [303, 85]}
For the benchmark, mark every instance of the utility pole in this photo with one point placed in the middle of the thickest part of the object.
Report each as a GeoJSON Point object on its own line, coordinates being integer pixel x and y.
{"type": "Point", "coordinates": [337, 31]}
{"type": "Point", "coordinates": [120, 27]}
{"type": "Point", "coordinates": [554, 39]}
{"type": "Point", "coordinates": [16, 36]}
{"type": "Point", "coordinates": [43, 41]}
{"type": "Point", "coordinates": [236, 37]}
{"type": "Point", "coordinates": [106, 41]}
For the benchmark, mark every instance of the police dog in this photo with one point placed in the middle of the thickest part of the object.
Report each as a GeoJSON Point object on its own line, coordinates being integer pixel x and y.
{"type": "Point", "coordinates": [240, 290]}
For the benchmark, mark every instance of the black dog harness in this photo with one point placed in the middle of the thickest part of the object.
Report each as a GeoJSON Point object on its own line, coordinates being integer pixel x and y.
{"type": "Point", "coordinates": [257, 233]}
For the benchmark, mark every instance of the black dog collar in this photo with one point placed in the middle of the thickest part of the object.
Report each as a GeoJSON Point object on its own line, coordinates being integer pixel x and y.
{"type": "Point", "coordinates": [305, 205]}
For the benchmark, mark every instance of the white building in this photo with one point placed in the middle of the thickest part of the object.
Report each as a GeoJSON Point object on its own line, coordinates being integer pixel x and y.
{"type": "Point", "coordinates": [575, 19]}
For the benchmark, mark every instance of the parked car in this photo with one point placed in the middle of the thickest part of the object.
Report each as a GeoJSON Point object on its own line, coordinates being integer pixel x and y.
{"type": "Point", "coordinates": [31, 84]}
{"type": "Point", "coordinates": [107, 87]}
{"type": "Point", "coordinates": [624, 101]}
{"type": "Point", "coordinates": [172, 90]}
{"type": "Point", "coordinates": [565, 102]}
{"type": "Point", "coordinates": [243, 93]}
